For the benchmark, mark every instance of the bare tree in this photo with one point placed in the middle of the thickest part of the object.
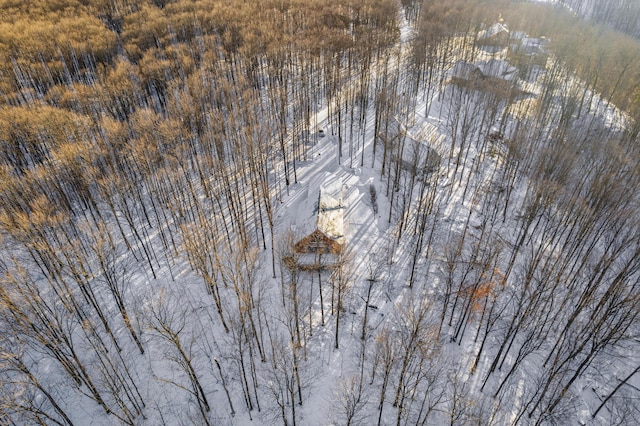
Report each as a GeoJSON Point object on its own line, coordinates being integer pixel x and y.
{"type": "Point", "coordinates": [349, 396]}
{"type": "Point", "coordinates": [169, 325]}
{"type": "Point", "coordinates": [341, 281]}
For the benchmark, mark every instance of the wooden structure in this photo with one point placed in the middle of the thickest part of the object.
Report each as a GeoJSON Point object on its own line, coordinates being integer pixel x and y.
{"type": "Point", "coordinates": [317, 243]}
{"type": "Point", "coordinates": [328, 235]}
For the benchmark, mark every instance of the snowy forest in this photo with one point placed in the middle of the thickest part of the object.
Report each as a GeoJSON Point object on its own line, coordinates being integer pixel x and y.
{"type": "Point", "coordinates": [166, 165]}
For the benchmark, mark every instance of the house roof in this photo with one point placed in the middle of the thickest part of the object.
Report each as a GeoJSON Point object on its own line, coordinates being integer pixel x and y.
{"type": "Point", "coordinates": [463, 69]}
{"type": "Point", "coordinates": [534, 45]}
{"type": "Point", "coordinates": [320, 217]}
{"type": "Point", "coordinates": [315, 243]}
{"type": "Point", "coordinates": [418, 142]}
{"type": "Point", "coordinates": [497, 68]}
{"type": "Point", "coordinates": [493, 31]}
{"type": "Point", "coordinates": [330, 217]}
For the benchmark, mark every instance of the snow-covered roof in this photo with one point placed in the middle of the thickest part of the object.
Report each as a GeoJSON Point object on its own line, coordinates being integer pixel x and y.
{"type": "Point", "coordinates": [418, 140]}
{"type": "Point", "coordinates": [463, 69]}
{"type": "Point", "coordinates": [330, 217]}
{"type": "Point", "coordinates": [532, 45]}
{"type": "Point", "coordinates": [325, 234]}
{"type": "Point", "coordinates": [493, 31]}
{"type": "Point", "coordinates": [497, 68]}
{"type": "Point", "coordinates": [424, 131]}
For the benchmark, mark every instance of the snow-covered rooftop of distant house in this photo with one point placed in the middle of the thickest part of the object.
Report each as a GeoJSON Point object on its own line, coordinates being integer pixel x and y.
{"type": "Point", "coordinates": [463, 69]}
{"type": "Point", "coordinates": [497, 68]}
{"type": "Point", "coordinates": [419, 142]}
{"type": "Point", "coordinates": [493, 31]}
{"type": "Point", "coordinates": [492, 68]}
{"type": "Point", "coordinates": [532, 45]}
{"type": "Point", "coordinates": [425, 131]}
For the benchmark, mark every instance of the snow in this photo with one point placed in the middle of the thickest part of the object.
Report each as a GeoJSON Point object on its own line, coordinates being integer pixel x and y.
{"type": "Point", "coordinates": [335, 198]}
{"type": "Point", "coordinates": [330, 217]}
{"type": "Point", "coordinates": [497, 68]}
{"type": "Point", "coordinates": [493, 31]}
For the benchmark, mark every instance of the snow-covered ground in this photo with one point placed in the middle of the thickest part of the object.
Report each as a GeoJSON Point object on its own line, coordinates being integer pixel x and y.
{"type": "Point", "coordinates": [397, 282]}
